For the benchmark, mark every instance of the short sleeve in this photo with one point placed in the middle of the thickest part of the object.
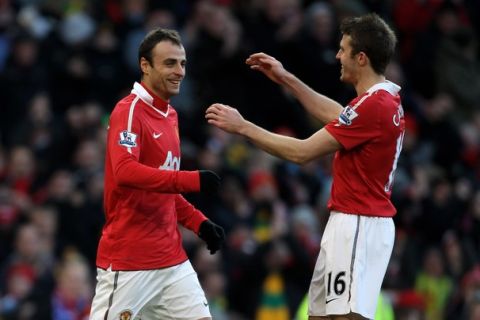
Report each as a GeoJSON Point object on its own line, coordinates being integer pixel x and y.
{"type": "Point", "coordinates": [356, 125]}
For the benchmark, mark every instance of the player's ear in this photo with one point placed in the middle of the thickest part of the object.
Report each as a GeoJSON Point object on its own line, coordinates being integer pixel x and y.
{"type": "Point", "coordinates": [362, 58]}
{"type": "Point", "coordinates": [145, 65]}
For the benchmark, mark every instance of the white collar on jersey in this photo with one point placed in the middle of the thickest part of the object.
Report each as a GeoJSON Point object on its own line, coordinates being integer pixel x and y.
{"type": "Point", "coordinates": [388, 86]}
{"type": "Point", "coordinates": [146, 97]}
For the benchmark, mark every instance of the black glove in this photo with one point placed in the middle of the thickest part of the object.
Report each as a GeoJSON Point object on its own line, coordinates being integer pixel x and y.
{"type": "Point", "coordinates": [212, 234]}
{"type": "Point", "coordinates": [209, 182]}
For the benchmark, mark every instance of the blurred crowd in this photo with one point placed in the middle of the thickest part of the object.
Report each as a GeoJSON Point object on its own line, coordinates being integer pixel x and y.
{"type": "Point", "coordinates": [65, 63]}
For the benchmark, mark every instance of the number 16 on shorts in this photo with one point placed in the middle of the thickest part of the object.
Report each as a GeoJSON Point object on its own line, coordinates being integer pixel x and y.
{"type": "Point", "coordinates": [335, 285]}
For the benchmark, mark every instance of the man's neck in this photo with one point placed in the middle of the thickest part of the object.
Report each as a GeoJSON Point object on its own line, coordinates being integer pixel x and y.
{"type": "Point", "coordinates": [367, 81]}
{"type": "Point", "coordinates": [148, 86]}
{"type": "Point", "coordinates": [158, 102]}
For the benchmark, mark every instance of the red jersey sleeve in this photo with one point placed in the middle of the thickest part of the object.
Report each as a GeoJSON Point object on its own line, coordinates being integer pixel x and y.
{"type": "Point", "coordinates": [355, 125]}
{"type": "Point", "coordinates": [187, 215]}
{"type": "Point", "coordinates": [125, 144]}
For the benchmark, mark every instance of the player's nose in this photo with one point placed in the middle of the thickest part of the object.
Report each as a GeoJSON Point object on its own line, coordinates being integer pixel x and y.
{"type": "Point", "coordinates": [180, 70]}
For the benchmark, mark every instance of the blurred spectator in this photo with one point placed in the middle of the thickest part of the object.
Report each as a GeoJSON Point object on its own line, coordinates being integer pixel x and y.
{"type": "Point", "coordinates": [241, 269]}
{"type": "Point", "coordinates": [313, 52]}
{"type": "Point", "coordinates": [410, 306]}
{"type": "Point", "coordinates": [439, 131]}
{"type": "Point", "coordinates": [404, 263]}
{"type": "Point", "coordinates": [7, 16]}
{"type": "Point", "coordinates": [276, 22]}
{"type": "Point", "coordinates": [41, 131]}
{"type": "Point", "coordinates": [21, 177]}
{"type": "Point", "coordinates": [27, 273]}
{"type": "Point", "coordinates": [105, 58]}
{"type": "Point", "coordinates": [20, 282]}
{"type": "Point", "coordinates": [77, 28]}
{"type": "Point", "coordinates": [474, 310]}
{"type": "Point", "coordinates": [463, 303]}
{"type": "Point", "coordinates": [305, 232]}
{"type": "Point", "coordinates": [45, 219]}
{"type": "Point", "coordinates": [24, 75]}
{"type": "Point", "coordinates": [471, 225]}
{"type": "Point", "coordinates": [214, 284]}
{"type": "Point", "coordinates": [439, 211]}
{"type": "Point", "coordinates": [434, 20]}
{"type": "Point", "coordinates": [457, 259]}
{"type": "Point", "coordinates": [269, 213]}
{"type": "Point", "coordinates": [73, 291]}
{"type": "Point", "coordinates": [433, 284]}
{"type": "Point", "coordinates": [21, 170]}
{"type": "Point", "coordinates": [272, 302]}
{"type": "Point", "coordinates": [10, 215]}
{"type": "Point", "coordinates": [457, 69]}
{"type": "Point", "coordinates": [88, 161]}
{"type": "Point", "coordinates": [62, 194]}
{"type": "Point", "coordinates": [216, 44]}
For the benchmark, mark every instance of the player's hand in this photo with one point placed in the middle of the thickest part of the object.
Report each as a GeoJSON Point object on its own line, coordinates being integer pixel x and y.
{"type": "Point", "coordinates": [270, 66]}
{"type": "Point", "coordinates": [212, 234]}
{"type": "Point", "coordinates": [225, 118]}
{"type": "Point", "coordinates": [209, 182]}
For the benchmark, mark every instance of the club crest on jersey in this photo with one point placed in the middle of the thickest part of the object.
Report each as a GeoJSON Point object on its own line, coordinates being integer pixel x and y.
{"type": "Point", "coordinates": [125, 315]}
{"type": "Point", "coordinates": [127, 139]}
{"type": "Point", "coordinates": [347, 115]}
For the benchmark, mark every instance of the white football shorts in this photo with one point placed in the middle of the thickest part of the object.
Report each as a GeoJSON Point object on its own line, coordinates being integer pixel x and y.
{"type": "Point", "coordinates": [169, 293]}
{"type": "Point", "coordinates": [354, 255]}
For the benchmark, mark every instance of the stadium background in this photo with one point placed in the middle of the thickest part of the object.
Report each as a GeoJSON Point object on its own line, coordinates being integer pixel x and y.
{"type": "Point", "coordinates": [64, 64]}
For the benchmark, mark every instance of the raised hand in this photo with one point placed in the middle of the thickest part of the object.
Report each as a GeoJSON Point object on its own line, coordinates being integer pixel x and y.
{"type": "Point", "coordinates": [270, 66]}
{"type": "Point", "coordinates": [225, 118]}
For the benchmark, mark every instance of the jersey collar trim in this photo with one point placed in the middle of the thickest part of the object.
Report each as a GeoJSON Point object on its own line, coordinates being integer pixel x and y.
{"type": "Point", "coordinates": [388, 86]}
{"type": "Point", "coordinates": [150, 100]}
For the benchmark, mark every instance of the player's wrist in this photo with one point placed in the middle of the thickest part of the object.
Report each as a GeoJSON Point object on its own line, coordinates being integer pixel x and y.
{"type": "Point", "coordinates": [188, 181]}
{"type": "Point", "coordinates": [285, 78]}
{"type": "Point", "coordinates": [245, 128]}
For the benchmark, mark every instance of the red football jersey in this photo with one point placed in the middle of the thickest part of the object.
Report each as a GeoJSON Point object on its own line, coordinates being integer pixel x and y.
{"type": "Point", "coordinates": [371, 130]}
{"type": "Point", "coordinates": [142, 186]}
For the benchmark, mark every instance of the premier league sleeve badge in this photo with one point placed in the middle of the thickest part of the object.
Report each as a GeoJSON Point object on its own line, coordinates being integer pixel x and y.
{"type": "Point", "coordinates": [127, 139]}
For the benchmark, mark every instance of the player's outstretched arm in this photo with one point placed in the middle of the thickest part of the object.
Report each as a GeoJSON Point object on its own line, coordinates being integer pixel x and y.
{"type": "Point", "coordinates": [288, 148]}
{"type": "Point", "coordinates": [129, 172]}
{"type": "Point", "coordinates": [318, 105]}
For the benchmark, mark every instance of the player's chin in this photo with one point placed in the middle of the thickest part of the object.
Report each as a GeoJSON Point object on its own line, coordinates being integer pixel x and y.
{"type": "Point", "coordinates": [344, 77]}
{"type": "Point", "coordinates": [174, 91]}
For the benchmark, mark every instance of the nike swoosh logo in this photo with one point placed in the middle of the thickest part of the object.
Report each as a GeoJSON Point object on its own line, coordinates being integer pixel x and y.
{"type": "Point", "coordinates": [157, 135]}
{"type": "Point", "coordinates": [328, 301]}
{"type": "Point", "coordinates": [205, 304]}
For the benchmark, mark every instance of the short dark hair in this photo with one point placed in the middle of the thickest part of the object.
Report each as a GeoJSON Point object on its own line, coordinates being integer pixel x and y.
{"type": "Point", "coordinates": [152, 38]}
{"type": "Point", "coordinates": [370, 34]}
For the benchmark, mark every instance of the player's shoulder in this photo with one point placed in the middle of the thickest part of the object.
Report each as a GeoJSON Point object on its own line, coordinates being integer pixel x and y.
{"type": "Point", "coordinates": [378, 99]}
{"type": "Point", "coordinates": [384, 93]}
{"type": "Point", "coordinates": [124, 106]}
{"type": "Point", "coordinates": [367, 107]}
